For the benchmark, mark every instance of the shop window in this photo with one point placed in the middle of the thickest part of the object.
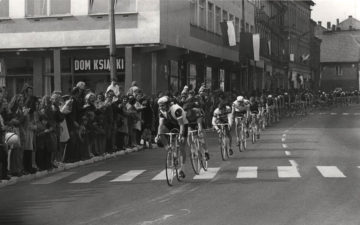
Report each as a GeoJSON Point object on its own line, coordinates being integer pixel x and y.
{"type": "Point", "coordinates": [192, 76]}
{"type": "Point", "coordinates": [4, 8]}
{"type": "Point", "coordinates": [202, 13]}
{"type": "Point", "coordinates": [210, 16]}
{"type": "Point", "coordinates": [174, 76]}
{"type": "Point", "coordinates": [237, 29]}
{"type": "Point", "coordinates": [208, 79]}
{"type": "Point", "coordinates": [193, 12]}
{"type": "Point", "coordinates": [247, 27]}
{"type": "Point", "coordinates": [222, 79]}
{"type": "Point", "coordinates": [339, 71]}
{"type": "Point", "coordinates": [47, 7]}
{"type": "Point", "coordinates": [19, 66]}
{"type": "Point", "coordinates": [218, 20]}
{"type": "Point", "coordinates": [120, 6]}
{"type": "Point", "coordinates": [14, 84]}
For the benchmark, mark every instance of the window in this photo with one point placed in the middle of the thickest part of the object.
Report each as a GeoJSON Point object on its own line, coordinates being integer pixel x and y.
{"type": "Point", "coordinates": [47, 7]}
{"type": "Point", "coordinates": [247, 27]}
{"type": "Point", "coordinates": [202, 13]}
{"type": "Point", "coordinates": [192, 76]}
{"type": "Point", "coordinates": [102, 6]}
{"type": "Point", "coordinates": [225, 16]}
{"type": "Point", "coordinates": [193, 12]}
{"type": "Point", "coordinates": [339, 71]}
{"type": "Point", "coordinates": [4, 8]}
{"type": "Point", "coordinates": [251, 29]}
{"type": "Point", "coordinates": [237, 29]}
{"type": "Point", "coordinates": [222, 79]}
{"type": "Point", "coordinates": [210, 17]}
{"type": "Point", "coordinates": [218, 20]}
{"type": "Point", "coordinates": [208, 80]}
{"type": "Point", "coordinates": [231, 17]}
{"type": "Point", "coordinates": [174, 76]}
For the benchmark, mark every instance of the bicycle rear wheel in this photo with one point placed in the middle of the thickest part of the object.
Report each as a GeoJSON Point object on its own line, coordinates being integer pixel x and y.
{"type": "Point", "coordinates": [195, 157]}
{"type": "Point", "coordinates": [204, 162]}
{"type": "Point", "coordinates": [253, 135]}
{"type": "Point", "coordinates": [170, 167]}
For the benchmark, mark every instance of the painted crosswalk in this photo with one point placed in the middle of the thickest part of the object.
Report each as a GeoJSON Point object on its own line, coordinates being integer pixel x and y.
{"type": "Point", "coordinates": [337, 114]}
{"type": "Point", "coordinates": [242, 172]}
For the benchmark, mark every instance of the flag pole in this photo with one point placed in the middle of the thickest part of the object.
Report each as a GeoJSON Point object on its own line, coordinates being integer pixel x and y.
{"type": "Point", "coordinates": [112, 46]}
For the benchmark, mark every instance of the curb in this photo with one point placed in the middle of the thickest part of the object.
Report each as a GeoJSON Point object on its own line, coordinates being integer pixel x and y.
{"type": "Point", "coordinates": [66, 166]}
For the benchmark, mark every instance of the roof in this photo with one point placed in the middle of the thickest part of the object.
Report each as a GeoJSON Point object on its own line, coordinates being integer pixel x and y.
{"type": "Point", "coordinates": [340, 47]}
{"type": "Point", "coordinates": [350, 21]}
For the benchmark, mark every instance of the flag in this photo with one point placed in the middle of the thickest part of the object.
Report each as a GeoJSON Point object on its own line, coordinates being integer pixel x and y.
{"type": "Point", "coordinates": [249, 46]}
{"type": "Point", "coordinates": [305, 57]}
{"type": "Point", "coordinates": [228, 33]}
{"type": "Point", "coordinates": [292, 57]}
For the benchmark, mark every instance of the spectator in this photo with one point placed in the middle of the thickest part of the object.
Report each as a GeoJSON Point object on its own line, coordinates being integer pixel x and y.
{"type": "Point", "coordinates": [147, 126]}
{"type": "Point", "coordinates": [133, 89]}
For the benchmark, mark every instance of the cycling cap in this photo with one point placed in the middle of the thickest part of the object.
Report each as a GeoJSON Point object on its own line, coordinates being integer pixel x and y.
{"type": "Point", "coordinates": [240, 98]}
{"type": "Point", "coordinates": [163, 100]}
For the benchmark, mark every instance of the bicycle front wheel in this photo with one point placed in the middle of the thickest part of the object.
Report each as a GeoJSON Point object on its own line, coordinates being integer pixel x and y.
{"type": "Point", "coordinates": [223, 150]}
{"type": "Point", "coordinates": [170, 167]}
{"type": "Point", "coordinates": [195, 159]}
{"type": "Point", "coordinates": [178, 165]}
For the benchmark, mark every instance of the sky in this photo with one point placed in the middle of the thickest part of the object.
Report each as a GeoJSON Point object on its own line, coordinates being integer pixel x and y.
{"type": "Point", "coordinates": [330, 10]}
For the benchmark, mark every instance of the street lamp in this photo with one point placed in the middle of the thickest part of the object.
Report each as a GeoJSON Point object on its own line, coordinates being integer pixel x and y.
{"type": "Point", "coordinates": [112, 46]}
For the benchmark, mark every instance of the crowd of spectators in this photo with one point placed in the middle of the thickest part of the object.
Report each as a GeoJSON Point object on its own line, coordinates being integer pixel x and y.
{"type": "Point", "coordinates": [42, 133]}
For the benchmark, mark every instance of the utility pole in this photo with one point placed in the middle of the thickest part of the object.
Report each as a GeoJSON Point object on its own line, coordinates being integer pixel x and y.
{"type": "Point", "coordinates": [243, 31]}
{"type": "Point", "coordinates": [112, 46]}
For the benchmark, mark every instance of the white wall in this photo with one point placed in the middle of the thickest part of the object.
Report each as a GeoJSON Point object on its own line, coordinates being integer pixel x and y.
{"type": "Point", "coordinates": [16, 9]}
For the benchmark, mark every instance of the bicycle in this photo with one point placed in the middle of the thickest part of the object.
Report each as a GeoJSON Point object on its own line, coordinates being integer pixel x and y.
{"type": "Point", "coordinates": [254, 128]}
{"type": "Point", "coordinates": [197, 155]}
{"type": "Point", "coordinates": [242, 139]}
{"type": "Point", "coordinates": [223, 142]}
{"type": "Point", "coordinates": [173, 157]}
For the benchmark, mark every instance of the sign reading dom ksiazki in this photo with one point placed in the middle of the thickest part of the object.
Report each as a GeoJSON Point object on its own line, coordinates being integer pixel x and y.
{"type": "Point", "coordinates": [97, 65]}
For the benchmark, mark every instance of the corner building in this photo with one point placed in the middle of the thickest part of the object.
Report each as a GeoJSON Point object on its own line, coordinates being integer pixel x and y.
{"type": "Point", "coordinates": [162, 44]}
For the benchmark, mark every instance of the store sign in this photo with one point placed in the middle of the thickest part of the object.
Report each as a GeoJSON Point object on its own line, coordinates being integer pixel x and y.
{"type": "Point", "coordinates": [97, 65]}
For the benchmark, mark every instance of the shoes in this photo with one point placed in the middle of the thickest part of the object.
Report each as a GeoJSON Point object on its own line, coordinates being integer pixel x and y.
{"type": "Point", "coordinates": [5, 178]}
{"type": "Point", "coordinates": [182, 174]}
{"type": "Point", "coordinates": [231, 152]}
{"type": "Point", "coordinates": [207, 156]}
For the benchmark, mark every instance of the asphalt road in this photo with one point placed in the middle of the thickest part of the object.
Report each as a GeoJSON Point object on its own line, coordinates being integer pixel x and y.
{"type": "Point", "coordinates": [302, 171]}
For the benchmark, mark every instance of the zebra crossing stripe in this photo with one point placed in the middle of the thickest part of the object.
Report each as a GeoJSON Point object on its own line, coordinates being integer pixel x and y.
{"type": "Point", "coordinates": [129, 176]}
{"type": "Point", "coordinates": [160, 176]}
{"type": "Point", "coordinates": [247, 172]}
{"type": "Point", "coordinates": [356, 114]}
{"type": "Point", "coordinates": [207, 175]}
{"type": "Point", "coordinates": [322, 113]}
{"type": "Point", "coordinates": [345, 114]}
{"type": "Point", "coordinates": [333, 114]}
{"type": "Point", "coordinates": [90, 177]}
{"type": "Point", "coordinates": [288, 172]}
{"type": "Point", "coordinates": [52, 179]}
{"type": "Point", "coordinates": [330, 172]}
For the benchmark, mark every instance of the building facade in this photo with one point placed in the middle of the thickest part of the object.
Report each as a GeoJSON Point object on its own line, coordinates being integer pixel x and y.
{"type": "Point", "coordinates": [340, 55]}
{"type": "Point", "coordinates": [162, 44]}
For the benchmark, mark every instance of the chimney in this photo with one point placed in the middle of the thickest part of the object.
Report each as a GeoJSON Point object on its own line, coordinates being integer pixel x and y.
{"type": "Point", "coordinates": [337, 22]}
{"type": "Point", "coordinates": [319, 23]}
{"type": "Point", "coordinates": [328, 25]}
{"type": "Point", "coordinates": [333, 27]}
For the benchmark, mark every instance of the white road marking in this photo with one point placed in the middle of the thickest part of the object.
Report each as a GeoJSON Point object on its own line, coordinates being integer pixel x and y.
{"type": "Point", "coordinates": [284, 145]}
{"type": "Point", "coordinates": [206, 175]}
{"type": "Point", "coordinates": [288, 172]}
{"type": "Point", "coordinates": [357, 114]}
{"type": "Point", "coordinates": [345, 114]}
{"type": "Point", "coordinates": [333, 114]}
{"type": "Point", "coordinates": [90, 177]}
{"type": "Point", "coordinates": [311, 113]}
{"type": "Point", "coordinates": [330, 172]}
{"type": "Point", "coordinates": [283, 139]}
{"type": "Point", "coordinates": [293, 163]}
{"type": "Point", "coordinates": [158, 220]}
{"type": "Point", "coordinates": [160, 176]}
{"type": "Point", "coordinates": [287, 153]}
{"type": "Point", "coordinates": [52, 179]}
{"type": "Point", "coordinates": [129, 176]}
{"type": "Point", "coordinates": [286, 131]}
{"type": "Point", "coordinates": [247, 172]}
{"type": "Point", "coordinates": [322, 113]}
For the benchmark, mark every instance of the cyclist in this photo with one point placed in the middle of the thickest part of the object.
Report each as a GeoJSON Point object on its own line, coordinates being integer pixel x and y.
{"type": "Point", "coordinates": [255, 109]}
{"type": "Point", "coordinates": [172, 116]}
{"type": "Point", "coordinates": [239, 111]}
{"type": "Point", "coordinates": [222, 115]}
{"type": "Point", "coordinates": [270, 106]}
{"type": "Point", "coordinates": [195, 115]}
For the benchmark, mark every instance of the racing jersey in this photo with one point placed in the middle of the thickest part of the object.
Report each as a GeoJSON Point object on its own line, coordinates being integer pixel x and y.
{"type": "Point", "coordinates": [221, 116]}
{"type": "Point", "coordinates": [174, 113]}
{"type": "Point", "coordinates": [239, 108]}
{"type": "Point", "coordinates": [254, 107]}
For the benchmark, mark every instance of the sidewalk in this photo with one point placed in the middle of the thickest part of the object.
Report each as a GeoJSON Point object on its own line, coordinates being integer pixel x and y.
{"type": "Point", "coordinates": [66, 166]}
